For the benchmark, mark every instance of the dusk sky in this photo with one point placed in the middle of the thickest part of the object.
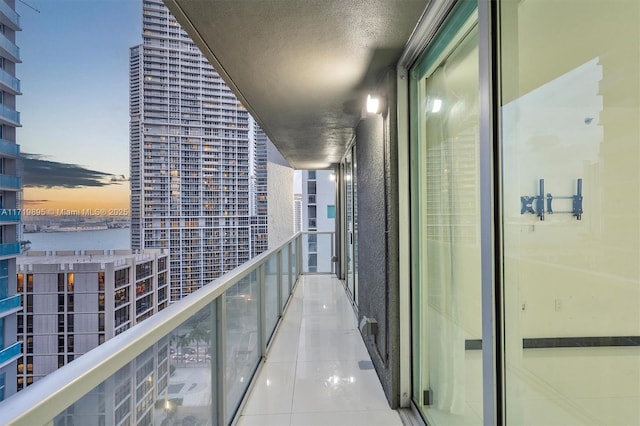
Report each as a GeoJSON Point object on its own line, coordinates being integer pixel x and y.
{"type": "Point", "coordinates": [75, 103]}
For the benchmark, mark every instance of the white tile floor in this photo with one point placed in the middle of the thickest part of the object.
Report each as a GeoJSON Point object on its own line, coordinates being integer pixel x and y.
{"type": "Point", "coordinates": [317, 371]}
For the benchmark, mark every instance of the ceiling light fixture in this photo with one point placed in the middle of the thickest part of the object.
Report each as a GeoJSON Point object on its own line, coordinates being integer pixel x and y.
{"type": "Point", "coordinates": [373, 105]}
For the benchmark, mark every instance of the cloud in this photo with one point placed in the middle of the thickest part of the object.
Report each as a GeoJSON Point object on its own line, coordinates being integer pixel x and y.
{"type": "Point", "coordinates": [38, 172]}
{"type": "Point", "coordinates": [34, 202]}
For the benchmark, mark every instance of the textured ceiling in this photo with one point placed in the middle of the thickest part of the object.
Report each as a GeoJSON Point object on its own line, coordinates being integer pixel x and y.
{"type": "Point", "coordinates": [302, 67]}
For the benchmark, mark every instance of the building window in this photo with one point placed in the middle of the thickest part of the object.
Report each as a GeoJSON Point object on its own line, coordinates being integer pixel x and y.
{"type": "Point", "coordinates": [331, 212]}
{"type": "Point", "coordinates": [70, 281]}
{"type": "Point", "coordinates": [70, 323]}
{"type": "Point", "coordinates": [312, 174]}
{"type": "Point", "coordinates": [121, 277]}
{"type": "Point", "coordinates": [313, 263]}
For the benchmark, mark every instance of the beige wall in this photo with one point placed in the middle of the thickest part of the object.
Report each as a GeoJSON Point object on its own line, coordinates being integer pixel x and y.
{"type": "Point", "coordinates": [571, 93]}
{"type": "Point", "coordinates": [279, 197]}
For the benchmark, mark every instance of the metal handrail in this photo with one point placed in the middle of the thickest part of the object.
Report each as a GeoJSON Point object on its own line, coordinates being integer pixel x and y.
{"type": "Point", "coordinates": [42, 401]}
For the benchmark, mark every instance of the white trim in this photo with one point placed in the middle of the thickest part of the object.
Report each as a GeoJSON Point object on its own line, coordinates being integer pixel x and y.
{"type": "Point", "coordinates": [404, 240]}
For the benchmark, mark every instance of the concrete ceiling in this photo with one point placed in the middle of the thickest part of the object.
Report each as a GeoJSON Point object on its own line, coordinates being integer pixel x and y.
{"type": "Point", "coordinates": [303, 68]}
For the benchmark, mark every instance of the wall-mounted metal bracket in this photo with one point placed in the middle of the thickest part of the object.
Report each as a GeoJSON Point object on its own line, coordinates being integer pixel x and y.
{"type": "Point", "coordinates": [576, 202]}
{"type": "Point", "coordinates": [534, 204]}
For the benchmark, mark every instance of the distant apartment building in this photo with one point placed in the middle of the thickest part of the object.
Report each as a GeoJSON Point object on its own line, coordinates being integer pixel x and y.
{"type": "Point", "coordinates": [10, 189]}
{"type": "Point", "coordinates": [75, 301]}
{"type": "Point", "coordinates": [297, 213]}
{"type": "Point", "coordinates": [198, 159]}
{"type": "Point", "coordinates": [318, 215]}
{"type": "Point", "coordinates": [129, 397]}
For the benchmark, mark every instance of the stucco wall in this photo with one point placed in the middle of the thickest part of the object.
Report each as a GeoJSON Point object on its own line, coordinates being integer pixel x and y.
{"type": "Point", "coordinates": [376, 152]}
{"type": "Point", "coordinates": [279, 197]}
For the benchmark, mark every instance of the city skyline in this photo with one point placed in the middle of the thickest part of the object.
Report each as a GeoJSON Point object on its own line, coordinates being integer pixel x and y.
{"type": "Point", "coordinates": [75, 103]}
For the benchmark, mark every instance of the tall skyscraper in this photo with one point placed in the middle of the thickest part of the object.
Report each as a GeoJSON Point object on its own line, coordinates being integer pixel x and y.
{"type": "Point", "coordinates": [198, 159]}
{"type": "Point", "coordinates": [10, 200]}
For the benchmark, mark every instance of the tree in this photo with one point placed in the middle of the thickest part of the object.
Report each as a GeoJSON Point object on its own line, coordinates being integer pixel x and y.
{"type": "Point", "coordinates": [200, 333]}
{"type": "Point", "coordinates": [182, 342]}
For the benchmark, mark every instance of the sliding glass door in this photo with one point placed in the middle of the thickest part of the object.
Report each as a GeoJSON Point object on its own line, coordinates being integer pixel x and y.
{"type": "Point", "coordinates": [446, 287]}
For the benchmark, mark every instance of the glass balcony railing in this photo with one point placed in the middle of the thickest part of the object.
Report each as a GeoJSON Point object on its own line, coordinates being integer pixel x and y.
{"type": "Point", "coordinates": [9, 249]}
{"type": "Point", "coordinates": [10, 47]}
{"type": "Point", "coordinates": [9, 114]}
{"type": "Point", "coordinates": [10, 182]}
{"type": "Point", "coordinates": [9, 80]}
{"type": "Point", "coordinates": [10, 353]}
{"type": "Point", "coordinates": [317, 252]}
{"type": "Point", "coordinates": [10, 215]}
{"type": "Point", "coordinates": [11, 14]}
{"type": "Point", "coordinates": [9, 304]}
{"type": "Point", "coordinates": [191, 363]}
{"type": "Point", "coordinates": [9, 148]}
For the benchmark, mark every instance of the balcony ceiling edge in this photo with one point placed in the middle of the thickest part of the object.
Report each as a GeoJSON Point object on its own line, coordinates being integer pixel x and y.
{"type": "Point", "coordinates": [303, 69]}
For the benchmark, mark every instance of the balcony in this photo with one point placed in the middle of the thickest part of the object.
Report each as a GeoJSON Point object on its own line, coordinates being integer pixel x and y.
{"type": "Point", "coordinates": [10, 305]}
{"type": "Point", "coordinates": [8, 82]}
{"type": "Point", "coordinates": [209, 347]}
{"type": "Point", "coordinates": [9, 49]}
{"type": "Point", "coordinates": [9, 116]}
{"type": "Point", "coordinates": [11, 353]}
{"type": "Point", "coordinates": [9, 216]}
{"type": "Point", "coordinates": [9, 249]}
{"type": "Point", "coordinates": [9, 149]}
{"type": "Point", "coordinates": [9, 17]}
{"type": "Point", "coordinates": [8, 182]}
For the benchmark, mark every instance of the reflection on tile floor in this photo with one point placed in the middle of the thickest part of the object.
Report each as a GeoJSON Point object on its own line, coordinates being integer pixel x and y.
{"type": "Point", "coordinates": [317, 370]}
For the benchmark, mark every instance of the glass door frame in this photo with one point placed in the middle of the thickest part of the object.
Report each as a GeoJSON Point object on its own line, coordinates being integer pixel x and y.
{"type": "Point", "coordinates": [491, 297]}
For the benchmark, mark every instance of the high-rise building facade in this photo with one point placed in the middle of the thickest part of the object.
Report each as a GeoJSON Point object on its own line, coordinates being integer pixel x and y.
{"type": "Point", "coordinates": [318, 213]}
{"type": "Point", "coordinates": [193, 148]}
{"type": "Point", "coordinates": [10, 187]}
{"type": "Point", "coordinates": [75, 301]}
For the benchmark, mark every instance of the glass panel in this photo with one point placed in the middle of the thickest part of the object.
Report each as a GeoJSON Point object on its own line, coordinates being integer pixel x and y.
{"type": "Point", "coordinates": [447, 288]}
{"type": "Point", "coordinates": [284, 281]}
{"type": "Point", "coordinates": [570, 147]}
{"type": "Point", "coordinates": [272, 311]}
{"type": "Point", "coordinates": [324, 253]}
{"type": "Point", "coordinates": [348, 176]}
{"type": "Point", "coordinates": [243, 346]}
{"type": "Point", "coordinates": [354, 188]}
{"type": "Point", "coordinates": [151, 387]}
{"type": "Point", "coordinates": [294, 262]}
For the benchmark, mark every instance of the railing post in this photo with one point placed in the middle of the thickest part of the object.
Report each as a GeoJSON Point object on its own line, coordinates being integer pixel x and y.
{"type": "Point", "coordinates": [262, 317]}
{"type": "Point", "coordinates": [290, 269]}
{"type": "Point", "coordinates": [218, 373]}
{"type": "Point", "coordinates": [280, 304]}
{"type": "Point", "coordinates": [333, 253]}
{"type": "Point", "coordinates": [299, 254]}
